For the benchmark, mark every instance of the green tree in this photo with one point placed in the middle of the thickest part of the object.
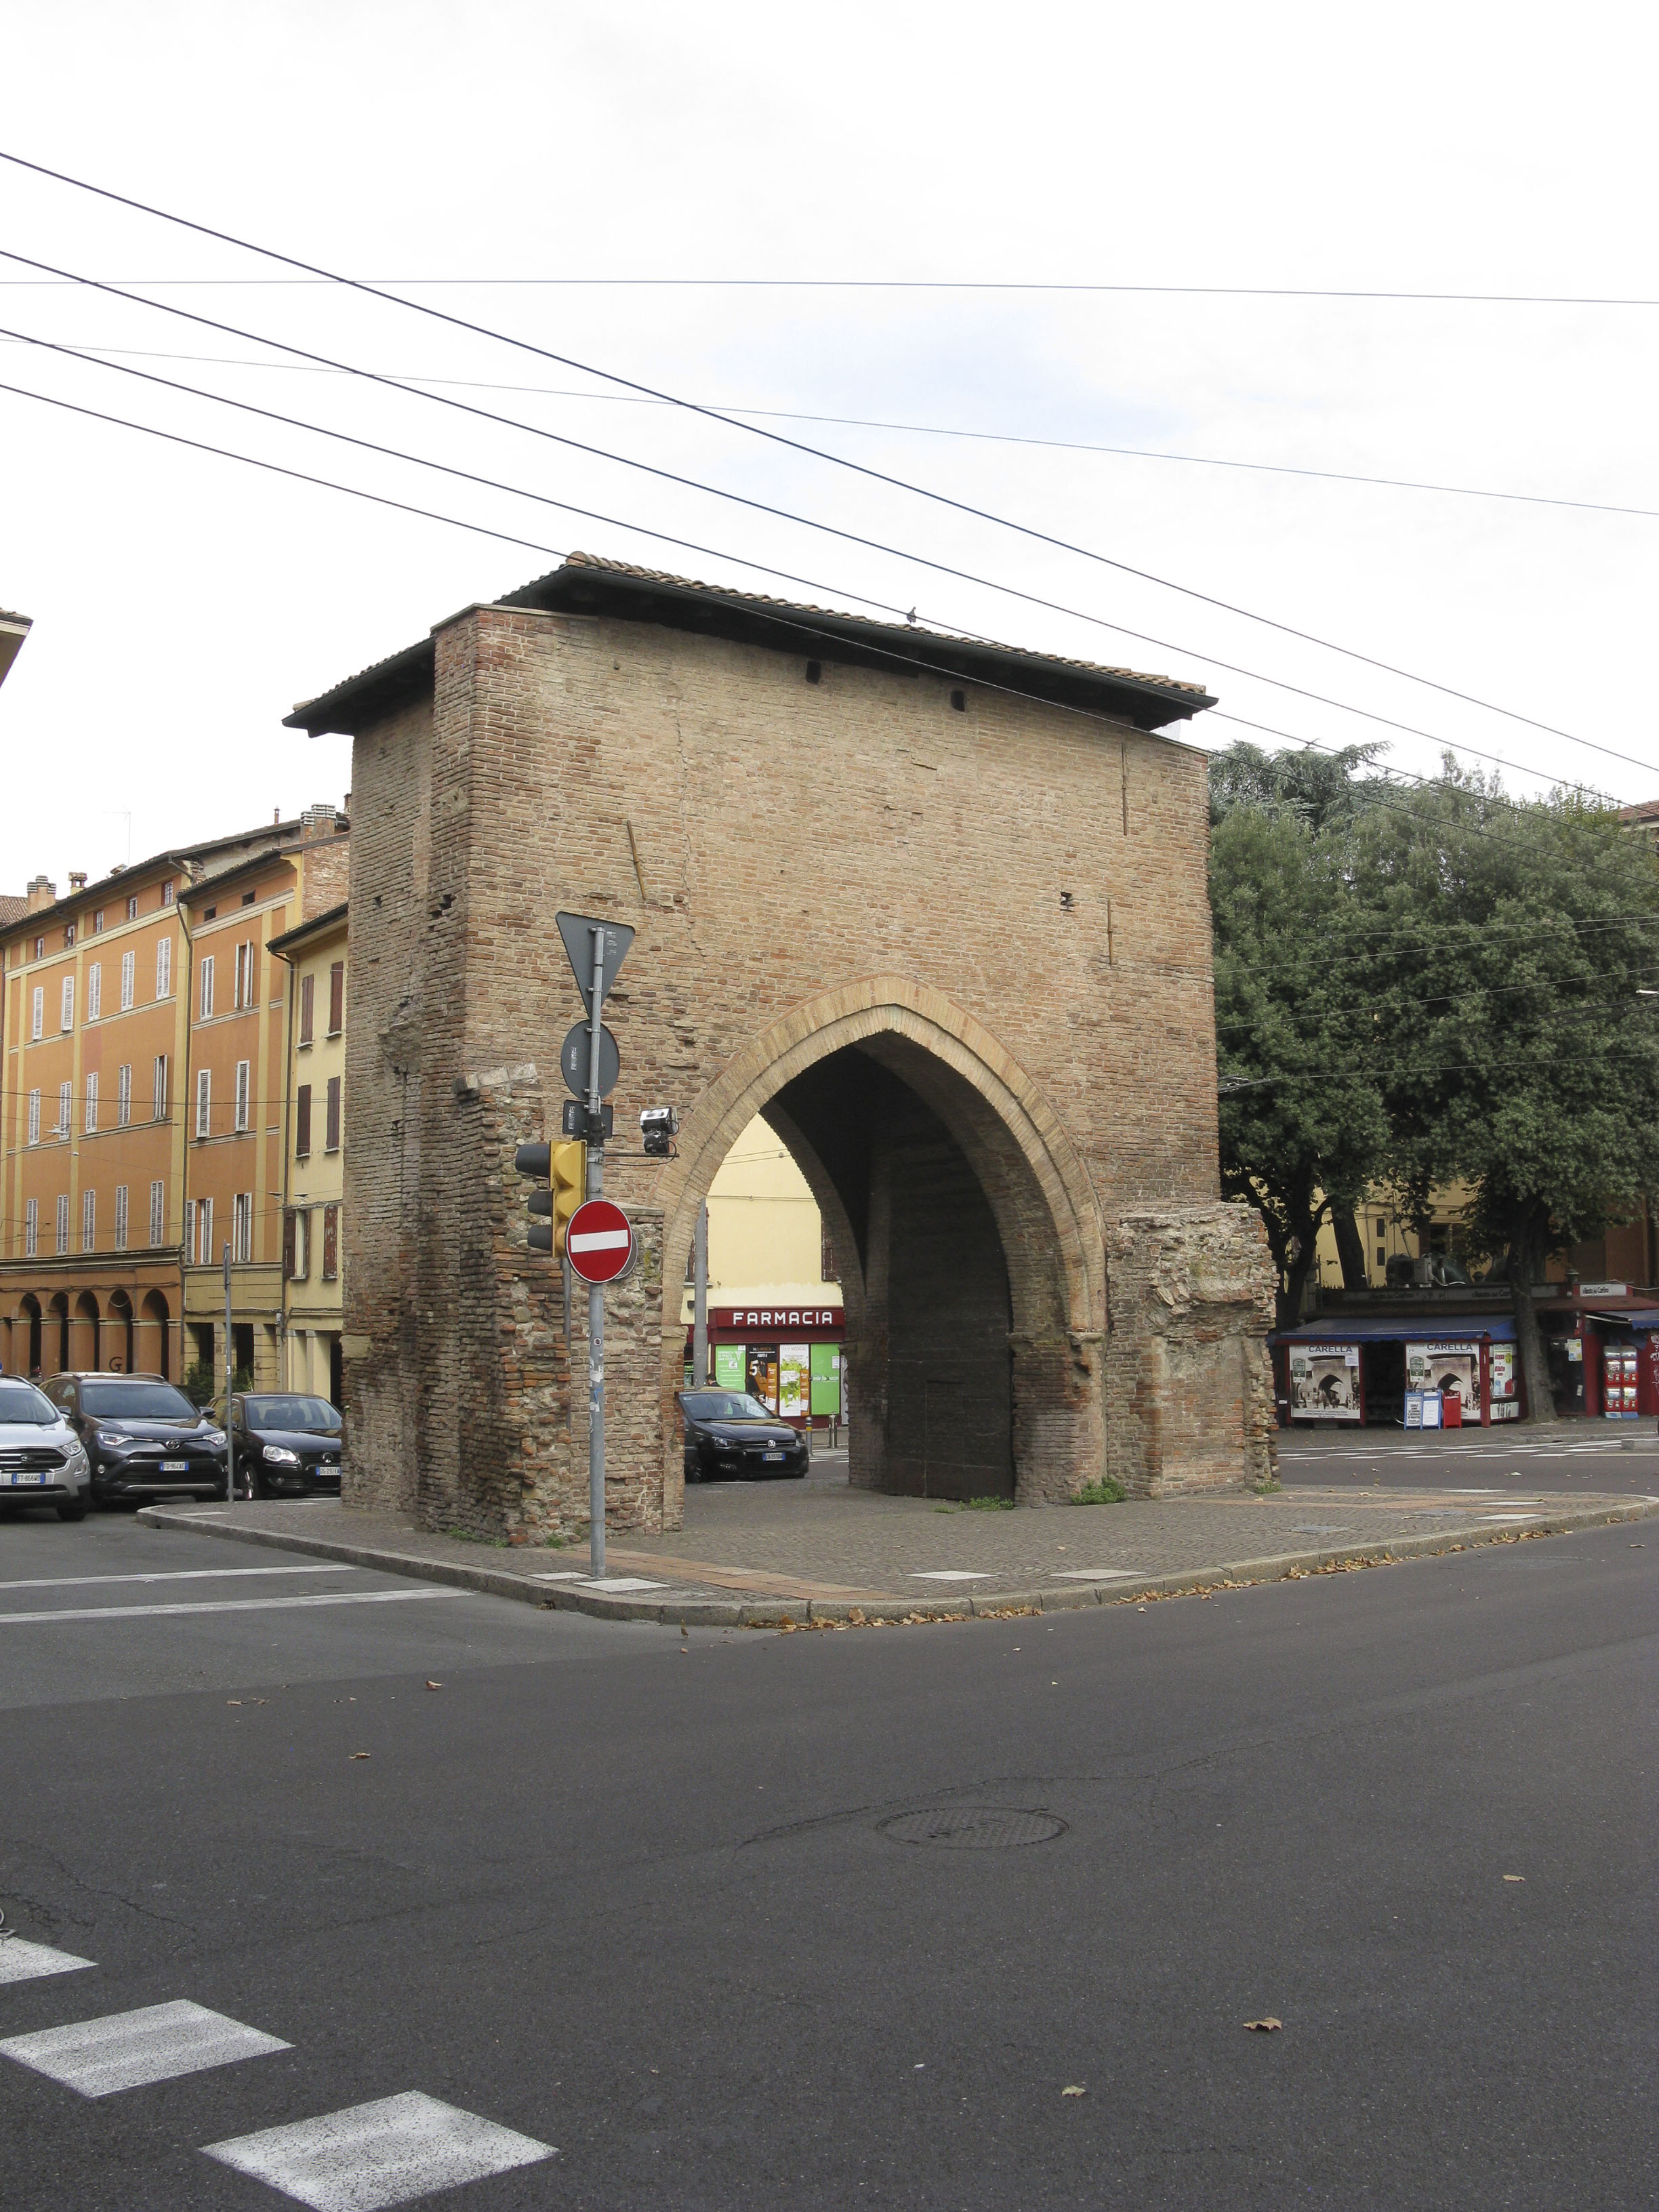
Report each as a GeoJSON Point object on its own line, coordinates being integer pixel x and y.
{"type": "Point", "coordinates": [1500, 1005]}
{"type": "Point", "coordinates": [1302, 1126]}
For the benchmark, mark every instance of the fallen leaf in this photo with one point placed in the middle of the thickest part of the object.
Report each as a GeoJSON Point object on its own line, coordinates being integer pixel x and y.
{"type": "Point", "coordinates": [1264, 2026]}
{"type": "Point", "coordinates": [233, 1701]}
{"type": "Point", "coordinates": [435, 1686]}
{"type": "Point", "coordinates": [1074, 2092]}
{"type": "Point", "coordinates": [1515, 1877]}
{"type": "Point", "coordinates": [361, 1754]}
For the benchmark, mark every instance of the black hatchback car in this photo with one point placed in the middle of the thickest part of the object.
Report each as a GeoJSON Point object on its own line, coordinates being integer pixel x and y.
{"type": "Point", "coordinates": [731, 1438]}
{"type": "Point", "coordinates": [285, 1444]}
{"type": "Point", "coordinates": [143, 1436]}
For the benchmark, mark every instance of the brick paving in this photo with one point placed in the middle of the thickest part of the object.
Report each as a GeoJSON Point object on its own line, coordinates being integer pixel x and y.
{"type": "Point", "coordinates": [753, 1553]}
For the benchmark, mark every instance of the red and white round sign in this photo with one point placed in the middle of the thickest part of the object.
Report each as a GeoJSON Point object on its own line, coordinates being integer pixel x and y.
{"type": "Point", "coordinates": [599, 1240]}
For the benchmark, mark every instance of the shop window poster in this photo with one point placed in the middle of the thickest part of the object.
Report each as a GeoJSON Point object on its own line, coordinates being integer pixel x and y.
{"type": "Point", "coordinates": [826, 1379]}
{"type": "Point", "coordinates": [1325, 1382]}
{"type": "Point", "coordinates": [795, 1381]}
{"type": "Point", "coordinates": [730, 1371]}
{"type": "Point", "coordinates": [762, 1374]}
{"type": "Point", "coordinates": [1453, 1369]}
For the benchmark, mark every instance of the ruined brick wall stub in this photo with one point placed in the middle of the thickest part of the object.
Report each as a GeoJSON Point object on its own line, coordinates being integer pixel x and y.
{"type": "Point", "coordinates": [852, 854]}
{"type": "Point", "coordinates": [1189, 1398]}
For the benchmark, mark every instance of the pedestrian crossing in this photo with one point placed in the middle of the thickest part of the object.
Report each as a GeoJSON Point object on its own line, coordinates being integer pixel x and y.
{"type": "Point", "coordinates": [361, 2158]}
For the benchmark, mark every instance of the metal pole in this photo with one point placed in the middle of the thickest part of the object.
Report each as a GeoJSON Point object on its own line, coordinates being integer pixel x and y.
{"type": "Point", "coordinates": [595, 1293]}
{"type": "Point", "coordinates": [699, 1300]}
{"type": "Point", "coordinates": [230, 1372]}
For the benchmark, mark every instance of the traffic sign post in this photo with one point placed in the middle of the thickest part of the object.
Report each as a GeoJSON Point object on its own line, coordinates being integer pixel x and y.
{"type": "Point", "coordinates": [600, 1242]}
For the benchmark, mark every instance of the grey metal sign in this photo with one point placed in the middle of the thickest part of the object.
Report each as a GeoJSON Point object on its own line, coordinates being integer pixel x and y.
{"type": "Point", "coordinates": [577, 930]}
{"type": "Point", "coordinates": [573, 1060]}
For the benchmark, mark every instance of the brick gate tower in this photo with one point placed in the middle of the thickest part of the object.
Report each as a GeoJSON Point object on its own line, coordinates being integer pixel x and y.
{"type": "Point", "coordinates": [937, 909]}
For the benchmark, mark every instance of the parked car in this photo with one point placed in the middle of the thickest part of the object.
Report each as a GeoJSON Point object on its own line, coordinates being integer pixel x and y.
{"type": "Point", "coordinates": [731, 1438]}
{"type": "Point", "coordinates": [42, 1461]}
{"type": "Point", "coordinates": [143, 1437]}
{"type": "Point", "coordinates": [284, 1444]}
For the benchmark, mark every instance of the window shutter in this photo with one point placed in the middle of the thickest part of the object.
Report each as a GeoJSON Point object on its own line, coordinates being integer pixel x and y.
{"type": "Point", "coordinates": [332, 1143]}
{"type": "Point", "coordinates": [337, 998]}
{"type": "Point", "coordinates": [163, 967]}
{"type": "Point", "coordinates": [331, 1242]}
{"type": "Point", "coordinates": [66, 1013]}
{"type": "Point", "coordinates": [241, 1093]}
{"type": "Point", "coordinates": [157, 1208]}
{"type": "Point", "coordinates": [308, 1006]}
{"type": "Point", "coordinates": [94, 990]}
{"type": "Point", "coordinates": [302, 1122]}
{"type": "Point", "coordinates": [290, 1220]}
{"type": "Point", "coordinates": [120, 1217]}
{"type": "Point", "coordinates": [204, 1101]}
{"type": "Point", "coordinates": [207, 988]}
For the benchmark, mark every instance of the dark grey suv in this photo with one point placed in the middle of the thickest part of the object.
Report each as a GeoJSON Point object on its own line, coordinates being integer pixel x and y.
{"type": "Point", "coordinates": [143, 1436]}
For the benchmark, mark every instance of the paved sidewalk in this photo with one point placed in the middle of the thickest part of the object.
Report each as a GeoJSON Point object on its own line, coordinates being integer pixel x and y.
{"type": "Point", "coordinates": [762, 1554]}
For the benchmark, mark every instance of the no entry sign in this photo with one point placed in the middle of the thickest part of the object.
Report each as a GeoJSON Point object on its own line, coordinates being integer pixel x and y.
{"type": "Point", "coordinates": [599, 1242]}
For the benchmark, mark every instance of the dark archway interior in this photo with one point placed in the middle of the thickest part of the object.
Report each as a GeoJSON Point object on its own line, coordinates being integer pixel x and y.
{"type": "Point", "coordinates": [924, 1277]}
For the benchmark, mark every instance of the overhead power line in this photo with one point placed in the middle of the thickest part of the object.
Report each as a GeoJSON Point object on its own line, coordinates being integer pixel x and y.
{"type": "Point", "coordinates": [837, 460]}
{"type": "Point", "coordinates": [905, 429]}
{"type": "Point", "coordinates": [763, 506]}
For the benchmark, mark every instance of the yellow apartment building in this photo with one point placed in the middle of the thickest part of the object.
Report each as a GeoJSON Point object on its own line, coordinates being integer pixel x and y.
{"type": "Point", "coordinates": [102, 1181]}
{"type": "Point", "coordinates": [312, 1308]}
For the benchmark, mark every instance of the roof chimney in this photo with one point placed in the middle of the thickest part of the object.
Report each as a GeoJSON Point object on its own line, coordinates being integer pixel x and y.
{"type": "Point", "coordinates": [78, 880]}
{"type": "Point", "coordinates": [39, 892]}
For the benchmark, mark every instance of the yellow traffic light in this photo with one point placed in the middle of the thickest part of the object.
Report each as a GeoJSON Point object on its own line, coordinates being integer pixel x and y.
{"type": "Point", "coordinates": [567, 1174]}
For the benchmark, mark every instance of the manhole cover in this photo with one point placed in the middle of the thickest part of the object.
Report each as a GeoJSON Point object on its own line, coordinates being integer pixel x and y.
{"type": "Point", "coordinates": [973, 1827]}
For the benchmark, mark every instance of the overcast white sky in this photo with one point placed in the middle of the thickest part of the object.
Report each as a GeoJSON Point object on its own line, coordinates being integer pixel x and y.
{"type": "Point", "coordinates": [182, 603]}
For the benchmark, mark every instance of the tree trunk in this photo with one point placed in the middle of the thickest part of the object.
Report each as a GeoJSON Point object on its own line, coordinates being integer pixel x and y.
{"type": "Point", "coordinates": [1534, 1367]}
{"type": "Point", "coordinates": [1294, 1272]}
{"type": "Point", "coordinates": [1349, 1249]}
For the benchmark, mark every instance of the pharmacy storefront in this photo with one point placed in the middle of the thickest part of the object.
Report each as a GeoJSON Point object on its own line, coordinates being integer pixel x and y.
{"type": "Point", "coordinates": [788, 1357]}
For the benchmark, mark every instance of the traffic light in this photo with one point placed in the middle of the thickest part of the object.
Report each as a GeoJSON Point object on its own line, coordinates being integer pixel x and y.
{"type": "Point", "coordinates": [565, 1167]}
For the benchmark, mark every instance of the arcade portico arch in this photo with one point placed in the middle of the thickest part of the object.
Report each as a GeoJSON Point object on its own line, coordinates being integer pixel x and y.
{"type": "Point", "coordinates": [936, 909]}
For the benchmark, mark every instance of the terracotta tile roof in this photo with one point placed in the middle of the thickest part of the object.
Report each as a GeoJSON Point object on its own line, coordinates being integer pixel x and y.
{"type": "Point", "coordinates": [13, 908]}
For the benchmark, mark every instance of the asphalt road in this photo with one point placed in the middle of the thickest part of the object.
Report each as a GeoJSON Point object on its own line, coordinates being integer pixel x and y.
{"type": "Point", "coordinates": [628, 1894]}
{"type": "Point", "coordinates": [1572, 1456]}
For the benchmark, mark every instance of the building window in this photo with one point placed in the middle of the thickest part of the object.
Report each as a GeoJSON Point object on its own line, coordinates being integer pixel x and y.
{"type": "Point", "coordinates": [296, 1259]}
{"type": "Point", "coordinates": [90, 1121]}
{"type": "Point", "coordinates": [38, 1015]}
{"type": "Point", "coordinates": [123, 1096]}
{"type": "Point", "coordinates": [39, 948]}
{"type": "Point", "coordinates": [241, 1094]}
{"type": "Point", "coordinates": [159, 1075]}
{"type": "Point", "coordinates": [98, 923]}
{"type": "Point", "coordinates": [244, 976]}
{"type": "Point", "coordinates": [200, 1230]}
{"type": "Point", "coordinates": [129, 968]}
{"type": "Point", "coordinates": [62, 1222]}
{"type": "Point", "coordinates": [32, 1229]}
{"type": "Point", "coordinates": [66, 1005]}
{"type": "Point", "coordinates": [337, 998]}
{"type": "Point", "coordinates": [94, 990]}
{"type": "Point", "coordinates": [332, 1139]}
{"type": "Point", "coordinates": [330, 1244]}
{"type": "Point", "coordinates": [308, 1006]}
{"type": "Point", "coordinates": [35, 1117]}
{"type": "Point", "coordinates": [69, 935]}
{"type": "Point", "coordinates": [88, 1221]}
{"type": "Point", "coordinates": [827, 1257]}
{"type": "Point", "coordinates": [302, 1122]}
{"type": "Point", "coordinates": [163, 967]}
{"type": "Point", "coordinates": [242, 1227]}
{"type": "Point", "coordinates": [132, 908]}
{"type": "Point", "coordinates": [167, 892]}
{"type": "Point", "coordinates": [157, 1212]}
{"type": "Point", "coordinates": [207, 988]}
{"type": "Point", "coordinates": [65, 1108]}
{"type": "Point", "coordinates": [204, 1101]}
{"type": "Point", "coordinates": [120, 1217]}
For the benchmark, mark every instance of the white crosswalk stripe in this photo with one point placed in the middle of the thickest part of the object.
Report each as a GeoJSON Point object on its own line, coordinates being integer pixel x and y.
{"type": "Point", "coordinates": [372, 2155]}
{"type": "Point", "coordinates": [227, 1605]}
{"type": "Point", "coordinates": [126, 2050]}
{"type": "Point", "coordinates": [175, 1574]}
{"type": "Point", "coordinates": [24, 1962]}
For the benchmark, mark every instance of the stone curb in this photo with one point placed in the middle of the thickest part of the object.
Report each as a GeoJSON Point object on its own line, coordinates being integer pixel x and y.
{"type": "Point", "coordinates": [686, 1610]}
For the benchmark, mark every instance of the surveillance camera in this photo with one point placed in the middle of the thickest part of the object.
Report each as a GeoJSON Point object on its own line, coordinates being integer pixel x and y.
{"type": "Point", "coordinates": [658, 1126]}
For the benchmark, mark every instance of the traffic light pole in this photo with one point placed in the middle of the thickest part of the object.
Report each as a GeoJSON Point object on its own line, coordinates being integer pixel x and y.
{"type": "Point", "coordinates": [595, 1293]}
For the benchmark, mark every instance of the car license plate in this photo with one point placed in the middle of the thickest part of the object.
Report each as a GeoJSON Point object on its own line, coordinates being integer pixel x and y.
{"type": "Point", "coordinates": [22, 1479]}
{"type": "Point", "coordinates": [771, 1455]}
{"type": "Point", "coordinates": [175, 1466]}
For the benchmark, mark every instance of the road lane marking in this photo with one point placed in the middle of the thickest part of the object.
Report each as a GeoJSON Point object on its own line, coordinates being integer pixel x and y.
{"type": "Point", "coordinates": [173, 1575]}
{"type": "Point", "coordinates": [1098, 1574]}
{"type": "Point", "coordinates": [21, 1962]}
{"type": "Point", "coordinates": [125, 2050]}
{"type": "Point", "coordinates": [946, 1575]}
{"type": "Point", "coordinates": [230, 1605]}
{"type": "Point", "coordinates": [373, 2155]}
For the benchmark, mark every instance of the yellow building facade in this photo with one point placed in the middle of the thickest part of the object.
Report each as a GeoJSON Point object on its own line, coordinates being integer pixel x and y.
{"type": "Point", "coordinates": [314, 1172]}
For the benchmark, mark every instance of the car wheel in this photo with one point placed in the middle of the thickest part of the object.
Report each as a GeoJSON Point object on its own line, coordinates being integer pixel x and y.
{"type": "Point", "coordinates": [71, 1510]}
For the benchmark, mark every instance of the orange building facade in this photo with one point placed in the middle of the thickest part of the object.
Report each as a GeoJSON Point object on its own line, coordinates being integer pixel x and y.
{"type": "Point", "coordinates": [114, 1211]}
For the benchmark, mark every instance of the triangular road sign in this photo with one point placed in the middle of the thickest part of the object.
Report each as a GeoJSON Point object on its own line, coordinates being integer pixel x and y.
{"type": "Point", "coordinates": [577, 930]}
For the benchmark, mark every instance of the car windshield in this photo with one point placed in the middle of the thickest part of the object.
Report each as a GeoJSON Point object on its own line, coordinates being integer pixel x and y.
{"type": "Point", "coordinates": [315, 1415]}
{"type": "Point", "coordinates": [22, 1404]}
{"type": "Point", "coordinates": [724, 1406]}
{"type": "Point", "coordinates": [136, 1401]}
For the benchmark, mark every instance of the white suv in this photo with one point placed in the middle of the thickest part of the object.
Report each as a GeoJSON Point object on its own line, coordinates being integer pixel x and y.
{"type": "Point", "coordinates": [42, 1461]}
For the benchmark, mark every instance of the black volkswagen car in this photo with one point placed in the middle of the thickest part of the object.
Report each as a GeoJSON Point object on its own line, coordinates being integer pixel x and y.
{"type": "Point", "coordinates": [143, 1436]}
{"type": "Point", "coordinates": [285, 1444]}
{"type": "Point", "coordinates": [731, 1438]}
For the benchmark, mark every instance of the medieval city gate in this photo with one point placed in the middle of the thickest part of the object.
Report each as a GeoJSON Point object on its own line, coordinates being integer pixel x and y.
{"type": "Point", "coordinates": [938, 910]}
